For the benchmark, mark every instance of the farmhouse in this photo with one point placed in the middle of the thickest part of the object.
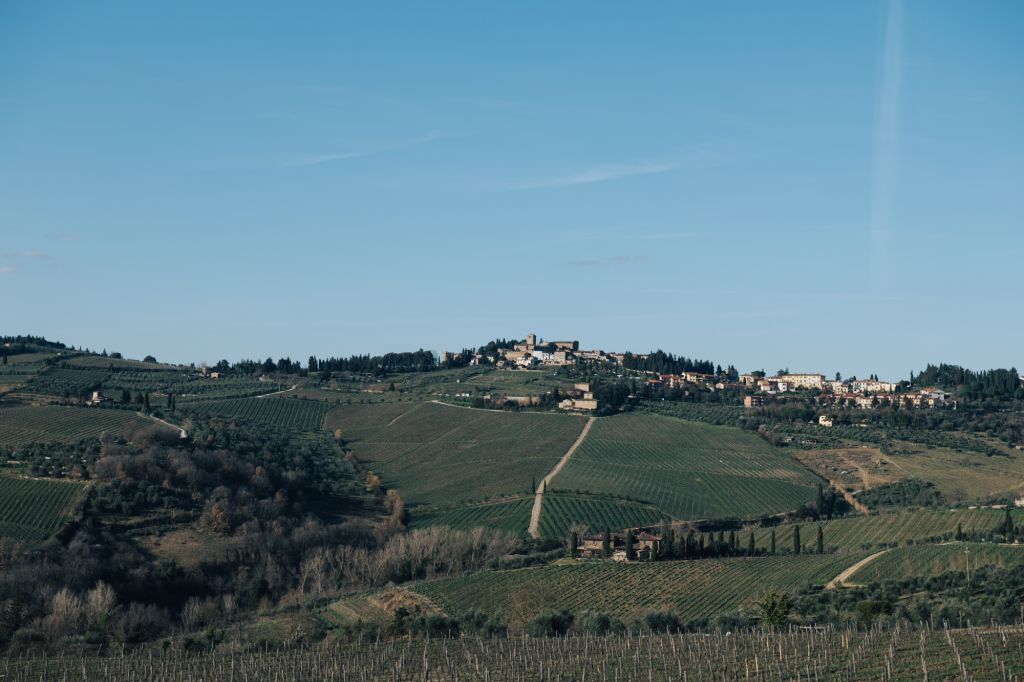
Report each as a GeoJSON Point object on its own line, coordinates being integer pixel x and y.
{"type": "Point", "coordinates": [645, 546]}
{"type": "Point", "coordinates": [801, 380]}
{"type": "Point", "coordinates": [824, 420]}
{"type": "Point", "coordinates": [750, 401]}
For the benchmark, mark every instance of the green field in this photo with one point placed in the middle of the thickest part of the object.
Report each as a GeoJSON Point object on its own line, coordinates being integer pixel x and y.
{"type": "Point", "coordinates": [39, 424]}
{"type": "Point", "coordinates": [561, 511]}
{"type": "Point", "coordinates": [442, 455]}
{"type": "Point", "coordinates": [687, 470]}
{"type": "Point", "coordinates": [502, 514]}
{"type": "Point", "coordinates": [925, 561]}
{"type": "Point", "coordinates": [31, 510]}
{"type": "Point", "coordinates": [694, 589]}
{"type": "Point", "coordinates": [287, 413]}
{"type": "Point", "coordinates": [855, 533]}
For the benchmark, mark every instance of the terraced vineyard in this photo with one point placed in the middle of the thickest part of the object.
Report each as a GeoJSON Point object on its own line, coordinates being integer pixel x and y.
{"type": "Point", "coordinates": [694, 589]}
{"type": "Point", "coordinates": [287, 413]}
{"type": "Point", "coordinates": [561, 511]}
{"type": "Point", "coordinates": [687, 470]}
{"type": "Point", "coordinates": [441, 455]}
{"type": "Point", "coordinates": [506, 514]}
{"type": "Point", "coordinates": [49, 423]}
{"type": "Point", "coordinates": [31, 510]}
{"type": "Point", "coordinates": [932, 560]}
{"type": "Point", "coordinates": [857, 533]}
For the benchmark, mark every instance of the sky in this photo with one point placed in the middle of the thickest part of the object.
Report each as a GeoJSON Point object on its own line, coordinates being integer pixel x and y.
{"type": "Point", "coordinates": [826, 187]}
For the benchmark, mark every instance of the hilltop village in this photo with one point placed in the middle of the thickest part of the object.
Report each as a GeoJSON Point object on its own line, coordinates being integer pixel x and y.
{"type": "Point", "coordinates": [756, 387]}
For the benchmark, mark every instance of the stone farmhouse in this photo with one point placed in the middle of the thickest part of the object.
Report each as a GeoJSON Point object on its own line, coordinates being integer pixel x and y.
{"type": "Point", "coordinates": [645, 546]}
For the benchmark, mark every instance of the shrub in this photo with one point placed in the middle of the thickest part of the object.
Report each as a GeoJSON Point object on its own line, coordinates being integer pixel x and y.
{"type": "Point", "coordinates": [552, 624]}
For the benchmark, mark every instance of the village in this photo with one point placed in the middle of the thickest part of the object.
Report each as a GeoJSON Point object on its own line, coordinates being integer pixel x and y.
{"type": "Point", "coordinates": [758, 389]}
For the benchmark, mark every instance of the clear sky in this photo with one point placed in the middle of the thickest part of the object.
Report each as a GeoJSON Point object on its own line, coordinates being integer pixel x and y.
{"type": "Point", "coordinates": [824, 186]}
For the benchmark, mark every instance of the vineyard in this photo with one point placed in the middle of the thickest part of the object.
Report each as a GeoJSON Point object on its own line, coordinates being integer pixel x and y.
{"type": "Point", "coordinates": [503, 514]}
{"type": "Point", "coordinates": [562, 511]}
{"type": "Point", "coordinates": [693, 589]}
{"type": "Point", "coordinates": [686, 470]}
{"type": "Point", "coordinates": [286, 413]}
{"type": "Point", "coordinates": [31, 510]}
{"type": "Point", "coordinates": [931, 560]}
{"type": "Point", "coordinates": [58, 381]}
{"type": "Point", "coordinates": [827, 654]}
{"type": "Point", "coordinates": [31, 424]}
{"type": "Point", "coordinates": [857, 533]}
{"type": "Point", "coordinates": [441, 455]}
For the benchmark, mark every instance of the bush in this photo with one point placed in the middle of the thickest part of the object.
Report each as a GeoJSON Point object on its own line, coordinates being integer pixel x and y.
{"type": "Point", "coordinates": [659, 622]}
{"type": "Point", "coordinates": [597, 623]}
{"type": "Point", "coordinates": [552, 624]}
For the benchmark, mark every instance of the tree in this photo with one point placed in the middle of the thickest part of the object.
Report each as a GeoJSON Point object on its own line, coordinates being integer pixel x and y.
{"type": "Point", "coordinates": [606, 544]}
{"type": "Point", "coordinates": [1006, 527]}
{"type": "Point", "coordinates": [149, 358]}
{"type": "Point", "coordinates": [574, 542]}
{"type": "Point", "coordinates": [959, 531]}
{"type": "Point", "coordinates": [773, 541]}
{"type": "Point", "coordinates": [774, 608]}
{"type": "Point", "coordinates": [750, 544]}
{"type": "Point", "coordinates": [145, 402]}
{"type": "Point", "coordinates": [796, 539]}
{"type": "Point", "coordinates": [630, 551]}
{"type": "Point", "coordinates": [820, 502]}
{"type": "Point", "coordinates": [732, 540]}
{"type": "Point", "coordinates": [126, 396]}
{"type": "Point", "coordinates": [821, 540]}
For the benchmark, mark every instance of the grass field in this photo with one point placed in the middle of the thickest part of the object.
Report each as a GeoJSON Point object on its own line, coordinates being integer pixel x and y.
{"type": "Point", "coordinates": [31, 510]}
{"type": "Point", "coordinates": [687, 470]}
{"type": "Point", "coordinates": [856, 533]}
{"type": "Point", "coordinates": [502, 514]}
{"type": "Point", "coordinates": [694, 589]}
{"type": "Point", "coordinates": [932, 560]}
{"type": "Point", "coordinates": [441, 455]}
{"type": "Point", "coordinates": [561, 511]}
{"type": "Point", "coordinates": [27, 424]}
{"type": "Point", "coordinates": [287, 413]}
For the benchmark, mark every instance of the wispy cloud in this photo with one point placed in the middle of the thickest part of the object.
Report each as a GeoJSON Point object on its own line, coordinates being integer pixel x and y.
{"type": "Point", "coordinates": [328, 157]}
{"type": "Point", "coordinates": [63, 236]}
{"type": "Point", "coordinates": [606, 262]}
{"type": "Point", "coordinates": [7, 269]}
{"type": "Point", "coordinates": [28, 255]}
{"type": "Point", "coordinates": [593, 174]}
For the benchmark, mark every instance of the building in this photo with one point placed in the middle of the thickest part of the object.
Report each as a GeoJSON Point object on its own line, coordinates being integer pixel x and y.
{"type": "Point", "coordinates": [97, 398]}
{"type": "Point", "coordinates": [645, 546]}
{"type": "Point", "coordinates": [582, 388]}
{"type": "Point", "coordinates": [872, 386]}
{"type": "Point", "coordinates": [572, 346]}
{"type": "Point", "coordinates": [748, 379]}
{"type": "Point", "coordinates": [579, 404]}
{"type": "Point", "coordinates": [750, 401]}
{"type": "Point", "coordinates": [824, 420]}
{"type": "Point", "coordinates": [801, 380]}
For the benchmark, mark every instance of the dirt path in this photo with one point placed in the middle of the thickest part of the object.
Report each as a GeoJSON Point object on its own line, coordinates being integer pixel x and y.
{"type": "Point", "coordinates": [181, 432]}
{"type": "Point", "coordinates": [404, 413]}
{"type": "Point", "coordinates": [287, 390]}
{"type": "Point", "coordinates": [538, 497]}
{"type": "Point", "coordinates": [840, 580]}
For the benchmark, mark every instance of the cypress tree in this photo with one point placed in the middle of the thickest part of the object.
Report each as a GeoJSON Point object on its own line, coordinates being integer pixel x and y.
{"type": "Point", "coordinates": [721, 540]}
{"type": "Point", "coordinates": [773, 541]}
{"type": "Point", "coordinates": [574, 542]}
{"type": "Point", "coordinates": [820, 502]}
{"type": "Point", "coordinates": [1008, 524]}
{"type": "Point", "coordinates": [821, 540]}
{"type": "Point", "coordinates": [145, 402]}
{"type": "Point", "coordinates": [831, 503]}
{"type": "Point", "coordinates": [796, 539]}
{"type": "Point", "coordinates": [750, 544]}
{"type": "Point", "coordinates": [170, 400]}
{"type": "Point", "coordinates": [630, 553]}
{"type": "Point", "coordinates": [700, 549]}
{"type": "Point", "coordinates": [959, 531]}
{"type": "Point", "coordinates": [732, 540]}
{"type": "Point", "coordinates": [606, 544]}
{"type": "Point", "coordinates": [691, 543]}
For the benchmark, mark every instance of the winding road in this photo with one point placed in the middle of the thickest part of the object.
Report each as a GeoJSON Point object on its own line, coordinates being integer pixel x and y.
{"type": "Point", "coordinates": [538, 496]}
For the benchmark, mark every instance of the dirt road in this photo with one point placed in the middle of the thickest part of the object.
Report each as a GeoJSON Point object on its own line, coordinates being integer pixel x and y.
{"type": "Point", "coordinates": [538, 496]}
{"type": "Point", "coordinates": [840, 580]}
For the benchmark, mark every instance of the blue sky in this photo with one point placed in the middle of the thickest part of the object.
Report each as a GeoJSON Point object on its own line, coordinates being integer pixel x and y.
{"type": "Point", "coordinates": [819, 186]}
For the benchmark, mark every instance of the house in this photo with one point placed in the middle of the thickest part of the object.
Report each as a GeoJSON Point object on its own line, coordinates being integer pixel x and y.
{"type": "Point", "coordinates": [801, 380]}
{"type": "Point", "coordinates": [872, 386]}
{"type": "Point", "coordinates": [750, 401]}
{"type": "Point", "coordinates": [582, 388]}
{"type": "Point", "coordinates": [566, 345]}
{"type": "Point", "coordinates": [581, 404]}
{"type": "Point", "coordinates": [824, 420]}
{"type": "Point", "coordinates": [97, 398]}
{"type": "Point", "coordinates": [747, 379]}
{"type": "Point", "coordinates": [645, 546]}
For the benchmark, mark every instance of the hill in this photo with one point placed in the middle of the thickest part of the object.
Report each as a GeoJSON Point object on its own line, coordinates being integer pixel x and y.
{"type": "Point", "coordinates": [686, 470]}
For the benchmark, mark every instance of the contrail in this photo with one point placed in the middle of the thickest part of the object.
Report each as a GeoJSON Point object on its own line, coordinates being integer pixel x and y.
{"type": "Point", "coordinates": [884, 160]}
